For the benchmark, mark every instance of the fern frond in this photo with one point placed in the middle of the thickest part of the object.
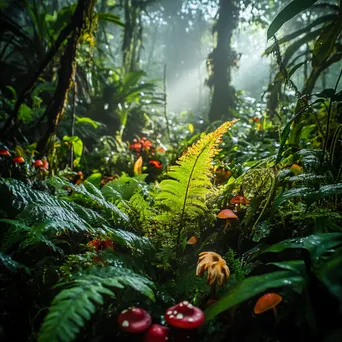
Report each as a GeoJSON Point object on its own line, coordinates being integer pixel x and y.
{"type": "Point", "coordinates": [136, 243]}
{"type": "Point", "coordinates": [183, 195]}
{"type": "Point", "coordinates": [11, 264]}
{"type": "Point", "coordinates": [88, 195]}
{"type": "Point", "coordinates": [72, 307]}
{"type": "Point", "coordinates": [30, 237]}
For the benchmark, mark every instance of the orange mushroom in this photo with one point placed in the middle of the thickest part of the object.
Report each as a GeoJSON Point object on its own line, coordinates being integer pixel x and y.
{"type": "Point", "coordinates": [18, 160]}
{"type": "Point", "coordinates": [267, 302]}
{"type": "Point", "coordinates": [239, 199]}
{"type": "Point", "coordinates": [226, 214]}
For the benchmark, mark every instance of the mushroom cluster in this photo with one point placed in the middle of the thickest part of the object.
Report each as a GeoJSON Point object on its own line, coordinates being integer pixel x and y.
{"type": "Point", "coordinates": [215, 265]}
{"type": "Point", "coordinates": [183, 319]}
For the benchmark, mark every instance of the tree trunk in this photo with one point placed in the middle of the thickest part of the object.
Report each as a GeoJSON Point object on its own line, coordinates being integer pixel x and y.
{"type": "Point", "coordinates": [221, 60]}
{"type": "Point", "coordinates": [132, 42]}
{"type": "Point", "coordinates": [55, 110]}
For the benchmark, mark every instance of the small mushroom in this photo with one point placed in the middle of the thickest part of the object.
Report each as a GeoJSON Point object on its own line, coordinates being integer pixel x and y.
{"type": "Point", "coordinates": [5, 152]}
{"type": "Point", "coordinates": [18, 160]}
{"type": "Point", "coordinates": [134, 320]}
{"type": "Point", "coordinates": [184, 318]}
{"type": "Point", "coordinates": [238, 200]}
{"type": "Point", "coordinates": [267, 302]}
{"type": "Point", "coordinates": [215, 265]}
{"type": "Point", "coordinates": [38, 163]}
{"type": "Point", "coordinates": [157, 333]}
{"type": "Point", "coordinates": [226, 214]}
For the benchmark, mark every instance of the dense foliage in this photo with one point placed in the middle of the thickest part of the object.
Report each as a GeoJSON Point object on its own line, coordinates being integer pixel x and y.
{"type": "Point", "coordinates": [108, 198]}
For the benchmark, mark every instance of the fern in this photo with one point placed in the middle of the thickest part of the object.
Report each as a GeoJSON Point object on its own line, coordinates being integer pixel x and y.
{"type": "Point", "coordinates": [87, 194]}
{"type": "Point", "coordinates": [183, 195]}
{"type": "Point", "coordinates": [11, 264]}
{"type": "Point", "coordinates": [73, 306]}
{"type": "Point", "coordinates": [31, 237]}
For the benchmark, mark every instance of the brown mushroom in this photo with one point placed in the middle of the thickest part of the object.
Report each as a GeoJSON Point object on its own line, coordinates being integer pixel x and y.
{"type": "Point", "coordinates": [226, 214]}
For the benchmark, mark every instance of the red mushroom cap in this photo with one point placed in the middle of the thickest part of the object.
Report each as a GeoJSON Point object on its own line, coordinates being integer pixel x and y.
{"type": "Point", "coordinates": [239, 199]}
{"type": "Point", "coordinates": [266, 302]}
{"type": "Point", "coordinates": [38, 163]}
{"type": "Point", "coordinates": [5, 152]}
{"type": "Point", "coordinates": [157, 333]}
{"type": "Point", "coordinates": [45, 164]}
{"type": "Point", "coordinates": [134, 320]}
{"type": "Point", "coordinates": [18, 160]}
{"type": "Point", "coordinates": [185, 316]}
{"type": "Point", "coordinates": [226, 214]}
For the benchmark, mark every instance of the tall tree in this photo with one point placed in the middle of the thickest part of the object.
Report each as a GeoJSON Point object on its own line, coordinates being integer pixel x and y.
{"type": "Point", "coordinates": [220, 62]}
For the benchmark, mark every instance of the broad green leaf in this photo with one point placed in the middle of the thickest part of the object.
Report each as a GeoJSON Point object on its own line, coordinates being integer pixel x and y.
{"type": "Point", "coordinates": [308, 194]}
{"type": "Point", "coordinates": [329, 273]}
{"type": "Point", "coordinates": [326, 42]}
{"type": "Point", "coordinates": [296, 266]}
{"type": "Point", "coordinates": [111, 18]}
{"type": "Point", "coordinates": [25, 113]}
{"type": "Point", "coordinates": [95, 179]}
{"type": "Point", "coordinates": [286, 131]}
{"type": "Point", "coordinates": [77, 144]}
{"type": "Point", "coordinates": [295, 68]}
{"type": "Point", "coordinates": [290, 11]}
{"type": "Point", "coordinates": [324, 19]}
{"type": "Point", "coordinates": [86, 120]}
{"type": "Point", "coordinates": [251, 287]}
{"type": "Point", "coordinates": [316, 244]}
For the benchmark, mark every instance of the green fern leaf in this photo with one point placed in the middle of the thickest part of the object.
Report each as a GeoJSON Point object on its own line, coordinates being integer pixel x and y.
{"type": "Point", "coordinates": [11, 264]}
{"type": "Point", "coordinates": [183, 195]}
{"type": "Point", "coordinates": [72, 307]}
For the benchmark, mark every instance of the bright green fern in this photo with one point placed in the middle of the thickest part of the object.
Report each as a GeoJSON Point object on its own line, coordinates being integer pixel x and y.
{"type": "Point", "coordinates": [183, 195]}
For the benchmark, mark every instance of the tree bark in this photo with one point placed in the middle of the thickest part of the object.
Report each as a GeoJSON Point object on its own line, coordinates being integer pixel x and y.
{"type": "Point", "coordinates": [132, 42]}
{"type": "Point", "coordinates": [221, 60]}
{"type": "Point", "coordinates": [55, 110]}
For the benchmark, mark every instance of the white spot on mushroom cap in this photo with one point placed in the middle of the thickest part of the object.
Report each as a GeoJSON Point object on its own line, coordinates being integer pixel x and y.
{"type": "Point", "coordinates": [180, 316]}
{"type": "Point", "coordinates": [171, 316]}
{"type": "Point", "coordinates": [166, 338]}
{"type": "Point", "coordinates": [124, 311]}
{"type": "Point", "coordinates": [190, 306]}
{"type": "Point", "coordinates": [181, 304]}
{"type": "Point", "coordinates": [125, 324]}
{"type": "Point", "coordinates": [175, 312]}
{"type": "Point", "coordinates": [185, 302]}
{"type": "Point", "coordinates": [190, 319]}
{"type": "Point", "coordinates": [169, 313]}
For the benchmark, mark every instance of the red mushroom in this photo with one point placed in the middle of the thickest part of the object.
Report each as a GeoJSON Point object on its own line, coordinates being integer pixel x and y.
{"type": "Point", "coordinates": [18, 160]}
{"type": "Point", "coordinates": [228, 215]}
{"type": "Point", "coordinates": [184, 318]}
{"type": "Point", "coordinates": [38, 163]}
{"type": "Point", "coordinates": [157, 333]}
{"type": "Point", "coordinates": [5, 152]}
{"type": "Point", "coordinates": [134, 320]}
{"type": "Point", "coordinates": [239, 199]}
